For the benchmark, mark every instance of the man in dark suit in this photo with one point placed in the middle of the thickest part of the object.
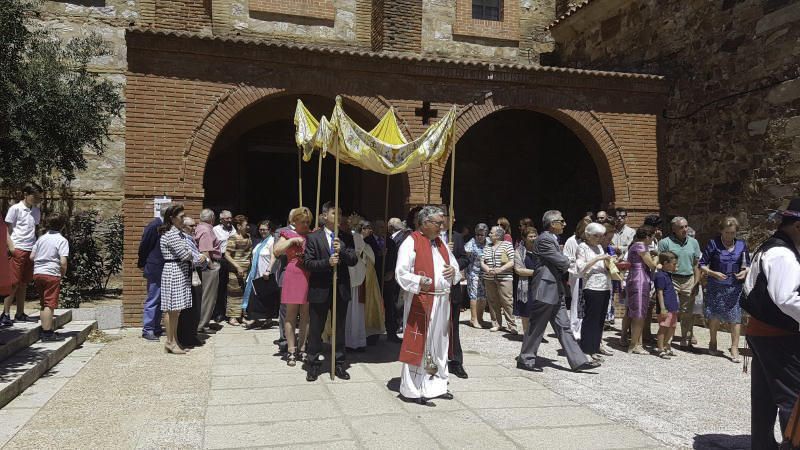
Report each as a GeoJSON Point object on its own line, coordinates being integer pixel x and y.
{"type": "Point", "coordinates": [151, 262]}
{"type": "Point", "coordinates": [456, 365]}
{"type": "Point", "coordinates": [548, 296]}
{"type": "Point", "coordinates": [391, 291]}
{"type": "Point", "coordinates": [324, 251]}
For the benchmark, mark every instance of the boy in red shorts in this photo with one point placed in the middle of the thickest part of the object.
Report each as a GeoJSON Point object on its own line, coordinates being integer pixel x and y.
{"type": "Point", "coordinates": [22, 219]}
{"type": "Point", "coordinates": [49, 258]}
{"type": "Point", "coordinates": [668, 305]}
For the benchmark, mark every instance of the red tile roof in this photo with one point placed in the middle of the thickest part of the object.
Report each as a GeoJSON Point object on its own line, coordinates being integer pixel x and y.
{"type": "Point", "coordinates": [569, 13]}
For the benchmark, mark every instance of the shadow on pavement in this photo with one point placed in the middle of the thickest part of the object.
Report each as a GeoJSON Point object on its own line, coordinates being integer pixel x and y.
{"type": "Point", "coordinates": [721, 441]}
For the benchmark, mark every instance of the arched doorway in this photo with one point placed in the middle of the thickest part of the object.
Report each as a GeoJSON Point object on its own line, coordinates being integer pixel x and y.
{"type": "Point", "coordinates": [252, 168]}
{"type": "Point", "coordinates": [520, 163]}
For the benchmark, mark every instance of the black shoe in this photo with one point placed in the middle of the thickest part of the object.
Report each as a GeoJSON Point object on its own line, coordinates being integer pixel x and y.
{"type": "Point", "coordinates": [521, 365]}
{"type": "Point", "coordinates": [392, 337]}
{"type": "Point", "coordinates": [283, 347]}
{"type": "Point", "coordinates": [5, 321]}
{"type": "Point", "coordinates": [587, 366]}
{"type": "Point", "coordinates": [52, 337]}
{"type": "Point", "coordinates": [340, 372]}
{"type": "Point", "coordinates": [312, 373]}
{"type": "Point", "coordinates": [446, 396]}
{"type": "Point", "coordinates": [422, 401]}
{"type": "Point", "coordinates": [193, 343]}
{"type": "Point", "coordinates": [22, 318]}
{"type": "Point", "coordinates": [458, 370]}
{"type": "Point", "coordinates": [150, 337]}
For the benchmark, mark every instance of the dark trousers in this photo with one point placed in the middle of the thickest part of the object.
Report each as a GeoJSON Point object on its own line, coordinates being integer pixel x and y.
{"type": "Point", "coordinates": [774, 386]}
{"type": "Point", "coordinates": [318, 314]}
{"type": "Point", "coordinates": [455, 340]}
{"type": "Point", "coordinates": [221, 308]}
{"type": "Point", "coordinates": [189, 319]}
{"type": "Point", "coordinates": [594, 318]}
{"type": "Point", "coordinates": [393, 313]}
{"type": "Point", "coordinates": [281, 319]}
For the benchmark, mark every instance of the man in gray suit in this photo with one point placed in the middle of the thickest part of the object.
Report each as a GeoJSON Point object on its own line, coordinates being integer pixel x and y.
{"type": "Point", "coordinates": [547, 292]}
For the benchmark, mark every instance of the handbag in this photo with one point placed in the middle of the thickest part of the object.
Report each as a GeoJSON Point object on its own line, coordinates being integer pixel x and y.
{"type": "Point", "coordinates": [792, 433]}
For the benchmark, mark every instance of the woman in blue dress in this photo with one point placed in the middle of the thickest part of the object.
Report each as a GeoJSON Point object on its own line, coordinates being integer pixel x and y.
{"type": "Point", "coordinates": [725, 260]}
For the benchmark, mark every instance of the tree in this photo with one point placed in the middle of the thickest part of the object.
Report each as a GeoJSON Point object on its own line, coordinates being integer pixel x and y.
{"type": "Point", "coordinates": [52, 107]}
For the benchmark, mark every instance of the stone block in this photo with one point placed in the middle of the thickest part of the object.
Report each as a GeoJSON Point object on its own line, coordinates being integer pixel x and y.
{"type": "Point", "coordinates": [512, 399]}
{"type": "Point", "coordinates": [271, 412]}
{"type": "Point", "coordinates": [282, 394]}
{"type": "Point", "coordinates": [786, 15]}
{"type": "Point", "coordinates": [363, 399]}
{"type": "Point", "coordinates": [450, 431]}
{"type": "Point", "coordinates": [785, 92]}
{"type": "Point", "coordinates": [278, 433]}
{"type": "Point", "coordinates": [380, 431]}
{"type": "Point", "coordinates": [493, 383]}
{"type": "Point", "coordinates": [553, 416]}
{"type": "Point", "coordinates": [594, 436]}
{"type": "Point", "coordinates": [757, 127]}
{"type": "Point", "coordinates": [792, 127]}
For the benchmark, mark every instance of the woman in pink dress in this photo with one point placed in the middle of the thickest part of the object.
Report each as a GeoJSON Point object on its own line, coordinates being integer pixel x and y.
{"type": "Point", "coordinates": [294, 291]}
{"type": "Point", "coordinates": [637, 287]}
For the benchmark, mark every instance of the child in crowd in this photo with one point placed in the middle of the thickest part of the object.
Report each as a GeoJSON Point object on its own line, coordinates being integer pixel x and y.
{"type": "Point", "coordinates": [21, 219]}
{"type": "Point", "coordinates": [49, 256]}
{"type": "Point", "coordinates": [668, 304]}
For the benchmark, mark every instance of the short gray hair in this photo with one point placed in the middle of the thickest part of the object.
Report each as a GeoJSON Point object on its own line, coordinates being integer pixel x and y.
{"type": "Point", "coordinates": [207, 215]}
{"type": "Point", "coordinates": [677, 219]}
{"type": "Point", "coordinates": [428, 212]}
{"type": "Point", "coordinates": [396, 224]}
{"type": "Point", "coordinates": [188, 220]}
{"type": "Point", "coordinates": [498, 231]}
{"type": "Point", "coordinates": [595, 229]}
{"type": "Point", "coordinates": [481, 227]}
{"type": "Point", "coordinates": [549, 217]}
{"type": "Point", "coordinates": [225, 214]}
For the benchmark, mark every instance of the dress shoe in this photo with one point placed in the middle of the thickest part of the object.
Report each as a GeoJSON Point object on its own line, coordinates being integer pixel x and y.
{"type": "Point", "coordinates": [446, 396]}
{"type": "Point", "coordinates": [150, 337]}
{"type": "Point", "coordinates": [194, 342]}
{"type": "Point", "coordinates": [312, 373]}
{"type": "Point", "coordinates": [587, 366]}
{"type": "Point", "coordinates": [392, 337]}
{"type": "Point", "coordinates": [523, 366]}
{"type": "Point", "coordinates": [340, 372]}
{"type": "Point", "coordinates": [458, 370]}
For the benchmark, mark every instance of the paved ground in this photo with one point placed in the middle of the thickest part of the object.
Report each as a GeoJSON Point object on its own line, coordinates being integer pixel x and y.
{"type": "Point", "coordinates": [235, 393]}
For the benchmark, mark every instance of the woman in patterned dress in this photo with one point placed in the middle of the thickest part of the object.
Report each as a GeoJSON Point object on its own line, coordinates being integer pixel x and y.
{"type": "Point", "coordinates": [176, 278]}
{"type": "Point", "coordinates": [237, 252]}
{"type": "Point", "coordinates": [725, 260]}
{"type": "Point", "coordinates": [475, 287]}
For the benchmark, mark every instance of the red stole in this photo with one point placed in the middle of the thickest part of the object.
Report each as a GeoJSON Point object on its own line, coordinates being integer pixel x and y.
{"type": "Point", "coordinates": [416, 331]}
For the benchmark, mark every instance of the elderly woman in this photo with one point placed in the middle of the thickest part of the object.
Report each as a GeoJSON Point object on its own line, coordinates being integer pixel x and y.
{"type": "Point", "coordinates": [637, 286]}
{"type": "Point", "coordinates": [593, 276]}
{"type": "Point", "coordinates": [257, 302]}
{"type": "Point", "coordinates": [237, 253]}
{"type": "Point", "coordinates": [476, 290]}
{"type": "Point", "coordinates": [571, 252]}
{"type": "Point", "coordinates": [725, 260]}
{"type": "Point", "coordinates": [506, 225]}
{"type": "Point", "coordinates": [497, 268]}
{"type": "Point", "coordinates": [524, 265]}
{"type": "Point", "coordinates": [176, 278]}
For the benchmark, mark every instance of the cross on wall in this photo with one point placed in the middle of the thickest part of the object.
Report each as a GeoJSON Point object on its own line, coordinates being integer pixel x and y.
{"type": "Point", "coordinates": [426, 113]}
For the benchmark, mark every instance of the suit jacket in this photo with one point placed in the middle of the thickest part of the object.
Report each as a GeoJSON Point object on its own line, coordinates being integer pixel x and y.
{"type": "Point", "coordinates": [463, 261]}
{"type": "Point", "coordinates": [150, 257]}
{"type": "Point", "coordinates": [315, 260]}
{"type": "Point", "coordinates": [548, 279]}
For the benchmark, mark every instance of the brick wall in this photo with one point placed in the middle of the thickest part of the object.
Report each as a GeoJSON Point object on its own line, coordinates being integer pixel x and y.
{"type": "Point", "coordinates": [188, 15]}
{"type": "Point", "coordinates": [732, 129]}
{"type": "Point", "coordinates": [507, 28]}
{"type": "Point", "coordinates": [397, 25]}
{"type": "Point", "coordinates": [318, 9]}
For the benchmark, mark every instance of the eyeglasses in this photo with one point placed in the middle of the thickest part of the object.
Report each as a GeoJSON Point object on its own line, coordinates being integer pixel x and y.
{"type": "Point", "coordinates": [437, 222]}
{"type": "Point", "coordinates": [558, 221]}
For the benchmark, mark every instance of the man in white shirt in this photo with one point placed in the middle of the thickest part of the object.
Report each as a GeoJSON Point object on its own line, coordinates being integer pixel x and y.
{"type": "Point", "coordinates": [49, 257]}
{"type": "Point", "coordinates": [223, 231]}
{"type": "Point", "coordinates": [773, 332]}
{"type": "Point", "coordinates": [22, 219]}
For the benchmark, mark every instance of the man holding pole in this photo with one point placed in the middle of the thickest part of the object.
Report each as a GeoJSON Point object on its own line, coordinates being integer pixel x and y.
{"type": "Point", "coordinates": [325, 251]}
{"type": "Point", "coordinates": [426, 270]}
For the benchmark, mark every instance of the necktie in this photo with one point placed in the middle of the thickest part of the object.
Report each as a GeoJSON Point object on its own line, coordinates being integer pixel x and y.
{"type": "Point", "coordinates": [332, 237]}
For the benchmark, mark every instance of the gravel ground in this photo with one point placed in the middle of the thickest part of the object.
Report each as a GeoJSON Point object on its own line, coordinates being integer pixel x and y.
{"type": "Point", "coordinates": [690, 401]}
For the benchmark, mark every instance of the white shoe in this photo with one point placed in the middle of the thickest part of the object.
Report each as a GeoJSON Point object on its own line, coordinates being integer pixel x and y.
{"type": "Point", "coordinates": [604, 350]}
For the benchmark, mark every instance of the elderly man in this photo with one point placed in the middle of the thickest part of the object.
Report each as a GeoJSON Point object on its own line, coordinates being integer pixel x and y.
{"type": "Point", "coordinates": [209, 245]}
{"type": "Point", "coordinates": [773, 331]}
{"type": "Point", "coordinates": [426, 271]}
{"type": "Point", "coordinates": [223, 231]}
{"type": "Point", "coordinates": [687, 278]}
{"type": "Point", "coordinates": [547, 292]}
{"type": "Point", "coordinates": [189, 319]}
{"type": "Point", "coordinates": [151, 263]}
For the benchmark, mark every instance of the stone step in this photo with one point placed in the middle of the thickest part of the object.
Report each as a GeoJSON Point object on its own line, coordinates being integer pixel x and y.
{"type": "Point", "coordinates": [24, 334]}
{"type": "Point", "coordinates": [28, 365]}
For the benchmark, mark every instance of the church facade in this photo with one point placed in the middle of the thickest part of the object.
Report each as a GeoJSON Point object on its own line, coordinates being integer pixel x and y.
{"type": "Point", "coordinates": [210, 88]}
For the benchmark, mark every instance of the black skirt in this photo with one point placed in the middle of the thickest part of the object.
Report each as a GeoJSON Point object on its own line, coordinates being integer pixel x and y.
{"type": "Point", "coordinates": [264, 300]}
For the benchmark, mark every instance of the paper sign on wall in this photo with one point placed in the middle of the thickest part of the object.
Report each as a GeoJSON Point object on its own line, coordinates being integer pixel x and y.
{"type": "Point", "coordinates": [160, 203]}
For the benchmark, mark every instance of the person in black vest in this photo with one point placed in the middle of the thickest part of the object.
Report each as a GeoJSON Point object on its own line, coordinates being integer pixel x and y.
{"type": "Point", "coordinates": [324, 251]}
{"type": "Point", "coordinates": [773, 332]}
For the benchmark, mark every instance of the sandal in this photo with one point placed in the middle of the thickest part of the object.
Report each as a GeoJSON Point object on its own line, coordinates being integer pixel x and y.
{"type": "Point", "coordinates": [670, 352]}
{"type": "Point", "coordinates": [735, 359]}
{"type": "Point", "coordinates": [663, 355]}
{"type": "Point", "coordinates": [638, 351]}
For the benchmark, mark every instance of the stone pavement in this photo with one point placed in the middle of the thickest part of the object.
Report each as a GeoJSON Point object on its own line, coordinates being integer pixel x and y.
{"type": "Point", "coordinates": [235, 393]}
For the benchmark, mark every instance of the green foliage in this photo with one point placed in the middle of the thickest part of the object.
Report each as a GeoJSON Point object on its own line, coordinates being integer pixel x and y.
{"type": "Point", "coordinates": [52, 107]}
{"type": "Point", "coordinates": [95, 255]}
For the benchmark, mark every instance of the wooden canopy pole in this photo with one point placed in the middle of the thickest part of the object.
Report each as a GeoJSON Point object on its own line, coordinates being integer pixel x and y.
{"type": "Point", "coordinates": [335, 270]}
{"type": "Point", "coordinates": [385, 233]}
{"type": "Point", "coordinates": [319, 182]}
{"type": "Point", "coordinates": [452, 188]}
{"type": "Point", "coordinates": [300, 175]}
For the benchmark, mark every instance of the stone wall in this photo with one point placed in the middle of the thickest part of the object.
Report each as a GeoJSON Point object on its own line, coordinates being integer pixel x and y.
{"type": "Point", "coordinates": [731, 136]}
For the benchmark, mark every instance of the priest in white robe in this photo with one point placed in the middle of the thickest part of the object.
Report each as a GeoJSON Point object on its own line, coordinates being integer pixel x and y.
{"type": "Point", "coordinates": [426, 269]}
{"type": "Point", "coordinates": [356, 333]}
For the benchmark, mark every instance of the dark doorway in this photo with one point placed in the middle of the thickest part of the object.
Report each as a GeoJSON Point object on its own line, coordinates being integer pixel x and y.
{"type": "Point", "coordinates": [518, 163]}
{"type": "Point", "coordinates": [253, 167]}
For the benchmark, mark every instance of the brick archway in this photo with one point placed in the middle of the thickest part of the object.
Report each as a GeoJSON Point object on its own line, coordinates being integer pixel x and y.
{"type": "Point", "coordinates": [227, 108]}
{"type": "Point", "coordinates": [587, 126]}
